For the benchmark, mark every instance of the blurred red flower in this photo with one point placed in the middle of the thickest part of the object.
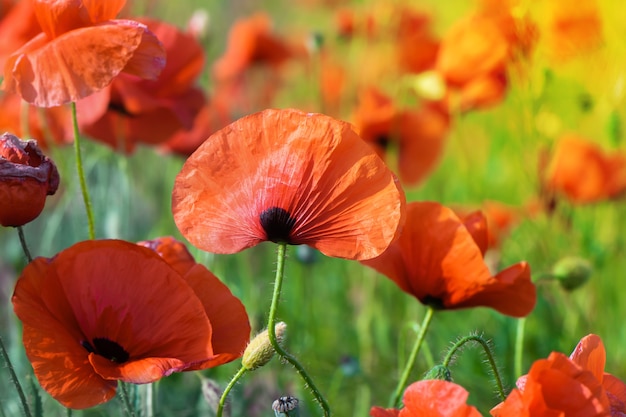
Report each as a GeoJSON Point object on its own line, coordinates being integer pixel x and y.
{"type": "Point", "coordinates": [439, 260]}
{"type": "Point", "coordinates": [251, 42]}
{"type": "Point", "coordinates": [416, 45]}
{"type": "Point", "coordinates": [416, 135]}
{"type": "Point", "coordinates": [81, 49]}
{"type": "Point", "coordinates": [136, 319]}
{"type": "Point", "coordinates": [574, 386]}
{"type": "Point", "coordinates": [573, 29]}
{"type": "Point", "coordinates": [18, 24]}
{"type": "Point", "coordinates": [583, 172]}
{"type": "Point", "coordinates": [431, 398]}
{"type": "Point", "coordinates": [288, 176]}
{"type": "Point", "coordinates": [27, 176]}
{"type": "Point", "coordinates": [132, 110]}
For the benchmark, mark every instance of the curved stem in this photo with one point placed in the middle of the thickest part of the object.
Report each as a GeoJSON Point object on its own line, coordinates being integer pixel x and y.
{"type": "Point", "coordinates": [20, 232]}
{"type": "Point", "coordinates": [231, 384]}
{"type": "Point", "coordinates": [397, 394]}
{"type": "Point", "coordinates": [271, 326]}
{"type": "Point", "coordinates": [487, 348]}
{"type": "Point", "coordinates": [519, 346]}
{"type": "Point", "coordinates": [16, 382]}
{"type": "Point", "coordinates": [81, 174]}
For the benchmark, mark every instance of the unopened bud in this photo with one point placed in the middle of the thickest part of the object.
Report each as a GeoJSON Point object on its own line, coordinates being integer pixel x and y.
{"type": "Point", "coordinates": [286, 407]}
{"type": "Point", "coordinates": [439, 372]}
{"type": "Point", "coordinates": [260, 350]}
{"type": "Point", "coordinates": [572, 272]}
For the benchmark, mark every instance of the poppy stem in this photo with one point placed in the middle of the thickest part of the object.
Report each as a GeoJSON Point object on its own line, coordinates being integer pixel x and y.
{"type": "Point", "coordinates": [81, 174]}
{"type": "Point", "coordinates": [271, 326]}
{"type": "Point", "coordinates": [128, 407]}
{"type": "Point", "coordinates": [20, 232]}
{"type": "Point", "coordinates": [231, 384]}
{"type": "Point", "coordinates": [16, 382]}
{"type": "Point", "coordinates": [519, 346]}
{"type": "Point", "coordinates": [397, 394]}
{"type": "Point", "coordinates": [490, 357]}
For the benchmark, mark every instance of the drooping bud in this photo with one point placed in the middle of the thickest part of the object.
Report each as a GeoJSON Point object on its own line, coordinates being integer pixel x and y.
{"type": "Point", "coordinates": [572, 272]}
{"type": "Point", "coordinates": [439, 372]}
{"type": "Point", "coordinates": [286, 407]}
{"type": "Point", "coordinates": [260, 350]}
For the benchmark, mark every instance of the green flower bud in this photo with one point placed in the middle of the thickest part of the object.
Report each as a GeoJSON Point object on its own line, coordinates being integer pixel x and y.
{"type": "Point", "coordinates": [572, 272]}
{"type": "Point", "coordinates": [260, 350]}
{"type": "Point", "coordinates": [439, 372]}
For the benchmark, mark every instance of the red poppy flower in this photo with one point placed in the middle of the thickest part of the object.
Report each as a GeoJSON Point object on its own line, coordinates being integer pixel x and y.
{"type": "Point", "coordinates": [583, 172]}
{"type": "Point", "coordinates": [136, 319]}
{"type": "Point", "coordinates": [27, 176]}
{"type": "Point", "coordinates": [288, 176]}
{"type": "Point", "coordinates": [431, 398]}
{"type": "Point", "coordinates": [418, 135]}
{"type": "Point", "coordinates": [79, 52]}
{"type": "Point", "coordinates": [251, 42]}
{"type": "Point", "coordinates": [133, 110]}
{"type": "Point", "coordinates": [500, 219]}
{"type": "Point", "coordinates": [574, 386]}
{"type": "Point", "coordinates": [439, 260]}
{"type": "Point", "coordinates": [18, 24]}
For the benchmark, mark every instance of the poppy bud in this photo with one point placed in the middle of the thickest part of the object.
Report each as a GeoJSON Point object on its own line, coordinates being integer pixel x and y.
{"type": "Point", "coordinates": [439, 372]}
{"type": "Point", "coordinates": [260, 350]}
{"type": "Point", "coordinates": [286, 407]}
{"type": "Point", "coordinates": [572, 272]}
{"type": "Point", "coordinates": [27, 176]}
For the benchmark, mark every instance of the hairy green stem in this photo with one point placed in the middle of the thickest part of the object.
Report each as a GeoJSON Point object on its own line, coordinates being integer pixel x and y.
{"type": "Point", "coordinates": [397, 394]}
{"type": "Point", "coordinates": [16, 382]}
{"type": "Point", "coordinates": [231, 384]}
{"type": "Point", "coordinates": [81, 174]}
{"type": "Point", "coordinates": [487, 348]}
{"type": "Point", "coordinates": [271, 326]}
{"type": "Point", "coordinates": [20, 232]}
{"type": "Point", "coordinates": [128, 407]}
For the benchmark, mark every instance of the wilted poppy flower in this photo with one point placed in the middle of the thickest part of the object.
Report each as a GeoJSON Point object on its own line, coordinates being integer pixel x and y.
{"type": "Point", "coordinates": [417, 135]}
{"type": "Point", "coordinates": [431, 398]}
{"type": "Point", "coordinates": [27, 176]}
{"type": "Point", "coordinates": [251, 42]}
{"type": "Point", "coordinates": [574, 386]}
{"type": "Point", "coordinates": [288, 176]}
{"type": "Point", "coordinates": [80, 50]}
{"type": "Point", "coordinates": [439, 260]}
{"type": "Point", "coordinates": [583, 172]}
{"type": "Point", "coordinates": [135, 319]}
{"type": "Point", "coordinates": [132, 110]}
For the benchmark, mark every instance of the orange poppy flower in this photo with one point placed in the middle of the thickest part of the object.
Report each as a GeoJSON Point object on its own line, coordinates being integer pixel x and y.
{"type": "Point", "coordinates": [416, 46]}
{"type": "Point", "coordinates": [589, 391]}
{"type": "Point", "coordinates": [133, 110]}
{"type": "Point", "coordinates": [500, 219]}
{"type": "Point", "coordinates": [431, 398]}
{"type": "Point", "coordinates": [583, 172]}
{"type": "Point", "coordinates": [418, 135]}
{"type": "Point", "coordinates": [136, 319]}
{"type": "Point", "coordinates": [27, 177]}
{"type": "Point", "coordinates": [439, 260]}
{"type": "Point", "coordinates": [18, 24]}
{"type": "Point", "coordinates": [251, 42]}
{"type": "Point", "coordinates": [288, 176]}
{"type": "Point", "coordinates": [82, 38]}
{"type": "Point", "coordinates": [573, 29]}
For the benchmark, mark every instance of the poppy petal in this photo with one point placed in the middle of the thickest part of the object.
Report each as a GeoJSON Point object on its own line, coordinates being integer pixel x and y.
{"type": "Point", "coordinates": [590, 354]}
{"type": "Point", "coordinates": [99, 10]}
{"type": "Point", "coordinates": [76, 64]}
{"type": "Point", "coordinates": [142, 371]}
{"type": "Point", "coordinates": [331, 189]}
{"type": "Point", "coordinates": [384, 412]}
{"type": "Point", "coordinates": [437, 397]}
{"type": "Point", "coordinates": [229, 320]}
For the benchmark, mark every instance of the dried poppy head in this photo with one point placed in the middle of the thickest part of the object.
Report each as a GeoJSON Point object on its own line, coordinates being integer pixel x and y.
{"type": "Point", "coordinates": [27, 176]}
{"type": "Point", "coordinates": [288, 176]}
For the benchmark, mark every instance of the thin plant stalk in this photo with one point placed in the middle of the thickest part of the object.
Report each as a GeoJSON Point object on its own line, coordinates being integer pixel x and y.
{"type": "Point", "coordinates": [20, 232]}
{"type": "Point", "coordinates": [519, 346]}
{"type": "Point", "coordinates": [397, 394]}
{"type": "Point", "coordinates": [124, 397]}
{"type": "Point", "coordinates": [231, 384]}
{"type": "Point", "coordinates": [81, 174]}
{"type": "Point", "coordinates": [271, 326]}
{"type": "Point", "coordinates": [16, 382]}
{"type": "Point", "coordinates": [490, 358]}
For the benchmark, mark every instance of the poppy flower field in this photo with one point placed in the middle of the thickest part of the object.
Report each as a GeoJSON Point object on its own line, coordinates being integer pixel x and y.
{"type": "Point", "coordinates": [312, 208]}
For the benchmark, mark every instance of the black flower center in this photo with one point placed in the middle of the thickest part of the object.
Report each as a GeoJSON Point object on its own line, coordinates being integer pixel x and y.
{"type": "Point", "coordinates": [434, 302]}
{"type": "Point", "coordinates": [277, 223]}
{"type": "Point", "coordinates": [382, 141]}
{"type": "Point", "coordinates": [106, 348]}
